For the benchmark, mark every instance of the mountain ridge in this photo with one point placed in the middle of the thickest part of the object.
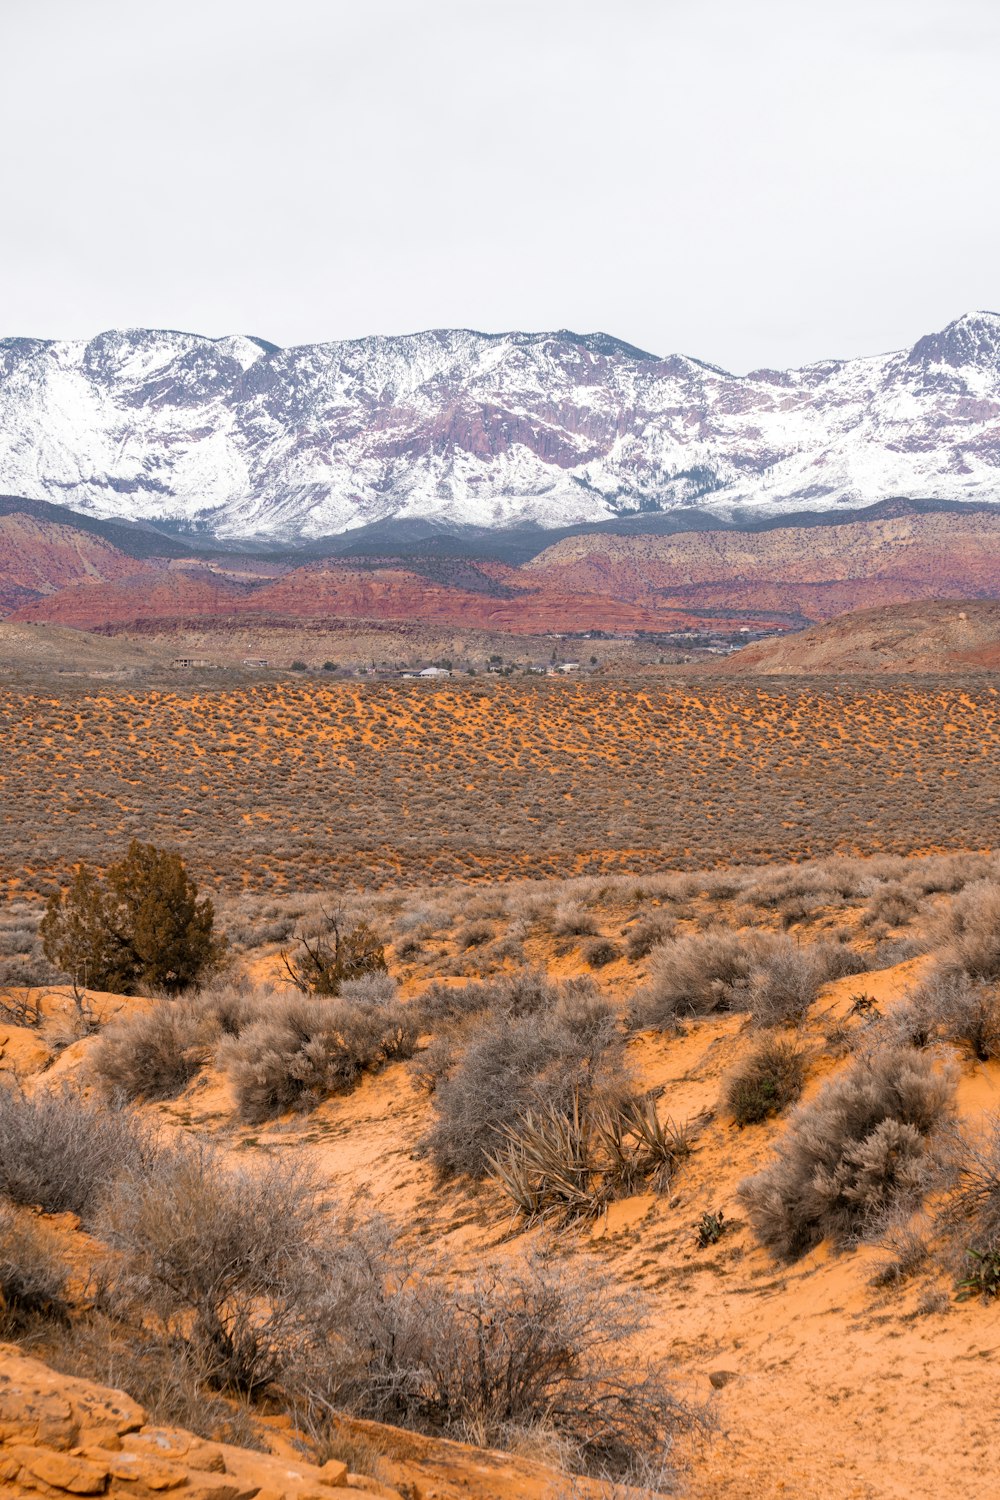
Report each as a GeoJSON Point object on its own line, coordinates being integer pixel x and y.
{"type": "Point", "coordinates": [237, 438]}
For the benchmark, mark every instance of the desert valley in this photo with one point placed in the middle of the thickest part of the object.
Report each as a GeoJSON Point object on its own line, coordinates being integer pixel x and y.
{"type": "Point", "coordinates": [499, 741]}
{"type": "Point", "coordinates": [618, 1003]}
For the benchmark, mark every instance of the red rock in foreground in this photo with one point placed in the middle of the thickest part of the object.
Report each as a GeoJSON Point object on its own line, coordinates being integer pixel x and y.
{"type": "Point", "coordinates": [61, 1436]}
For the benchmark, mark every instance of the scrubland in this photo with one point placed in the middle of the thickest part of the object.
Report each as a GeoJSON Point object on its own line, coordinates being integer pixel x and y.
{"type": "Point", "coordinates": [681, 1179]}
{"type": "Point", "coordinates": [288, 787]}
{"type": "Point", "coordinates": [652, 1143]}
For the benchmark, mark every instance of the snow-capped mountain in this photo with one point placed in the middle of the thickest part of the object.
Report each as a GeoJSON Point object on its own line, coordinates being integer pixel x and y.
{"type": "Point", "coordinates": [245, 438]}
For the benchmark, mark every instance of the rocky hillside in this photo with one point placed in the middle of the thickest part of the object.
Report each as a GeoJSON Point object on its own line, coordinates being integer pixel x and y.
{"type": "Point", "coordinates": [954, 635]}
{"type": "Point", "coordinates": [784, 1352]}
{"type": "Point", "coordinates": [813, 571]}
{"type": "Point", "coordinates": [37, 558]}
{"type": "Point", "coordinates": [775, 579]}
{"type": "Point", "coordinates": [238, 437]}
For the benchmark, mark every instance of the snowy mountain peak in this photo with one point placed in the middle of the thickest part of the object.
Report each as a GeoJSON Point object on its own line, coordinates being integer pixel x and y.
{"type": "Point", "coordinates": [243, 437]}
{"type": "Point", "coordinates": [973, 339]}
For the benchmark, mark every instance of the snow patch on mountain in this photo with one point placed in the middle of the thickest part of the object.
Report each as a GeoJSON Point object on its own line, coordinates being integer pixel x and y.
{"type": "Point", "coordinates": [243, 437]}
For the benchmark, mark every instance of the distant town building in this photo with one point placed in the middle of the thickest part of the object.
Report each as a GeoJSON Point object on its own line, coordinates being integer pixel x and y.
{"type": "Point", "coordinates": [255, 661]}
{"type": "Point", "coordinates": [434, 672]}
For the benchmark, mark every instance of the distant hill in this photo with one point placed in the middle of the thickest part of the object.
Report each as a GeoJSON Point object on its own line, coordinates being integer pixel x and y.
{"type": "Point", "coordinates": [50, 648]}
{"type": "Point", "coordinates": [809, 572]}
{"type": "Point", "coordinates": [770, 579]}
{"type": "Point", "coordinates": [39, 557]}
{"type": "Point", "coordinates": [939, 635]}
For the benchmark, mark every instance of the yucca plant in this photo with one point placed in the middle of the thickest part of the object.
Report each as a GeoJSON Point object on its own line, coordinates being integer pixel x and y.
{"type": "Point", "coordinates": [575, 1160]}
{"type": "Point", "coordinates": [546, 1161]}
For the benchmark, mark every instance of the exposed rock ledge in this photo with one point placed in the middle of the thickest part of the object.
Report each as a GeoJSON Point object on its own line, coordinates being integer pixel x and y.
{"type": "Point", "coordinates": [64, 1437]}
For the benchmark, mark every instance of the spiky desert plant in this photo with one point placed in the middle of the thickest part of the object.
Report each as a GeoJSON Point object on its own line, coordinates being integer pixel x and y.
{"type": "Point", "coordinates": [546, 1161]}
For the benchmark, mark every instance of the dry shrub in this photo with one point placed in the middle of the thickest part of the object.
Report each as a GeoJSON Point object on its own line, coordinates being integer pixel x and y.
{"type": "Point", "coordinates": [532, 1348]}
{"type": "Point", "coordinates": [644, 933]}
{"type": "Point", "coordinates": [511, 1062]}
{"type": "Point", "coordinates": [949, 1007]}
{"type": "Point", "coordinates": [21, 1006]}
{"type": "Point", "coordinates": [573, 921]}
{"type": "Point", "coordinates": [769, 974]}
{"type": "Point", "coordinates": [905, 1249]}
{"type": "Point", "coordinates": [154, 1053]}
{"type": "Point", "coordinates": [536, 1345]}
{"type": "Point", "coordinates": [307, 1047]}
{"type": "Point", "coordinates": [892, 903]}
{"type": "Point", "coordinates": [334, 954]}
{"type": "Point", "coordinates": [891, 951]}
{"type": "Point", "coordinates": [972, 931]}
{"type": "Point", "coordinates": [508, 949]}
{"type": "Point", "coordinates": [695, 975]}
{"type": "Point", "coordinates": [222, 1259]}
{"type": "Point", "coordinates": [59, 1153]}
{"type": "Point", "coordinates": [600, 951]}
{"type": "Point", "coordinates": [473, 935]}
{"type": "Point", "coordinates": [765, 1082]}
{"type": "Point", "coordinates": [970, 1212]}
{"type": "Point", "coordinates": [862, 1149]}
{"type": "Point", "coordinates": [32, 1280]}
{"type": "Point", "coordinates": [527, 992]}
{"type": "Point", "coordinates": [785, 982]}
{"type": "Point", "coordinates": [374, 988]}
{"type": "Point", "coordinates": [787, 977]}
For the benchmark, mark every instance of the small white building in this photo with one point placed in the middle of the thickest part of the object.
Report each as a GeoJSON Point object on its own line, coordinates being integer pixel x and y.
{"type": "Point", "coordinates": [434, 672]}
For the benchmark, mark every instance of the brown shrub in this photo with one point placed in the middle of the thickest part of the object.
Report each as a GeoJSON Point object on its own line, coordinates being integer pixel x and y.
{"type": "Point", "coordinates": [695, 976]}
{"type": "Point", "coordinates": [32, 1278]}
{"type": "Point", "coordinates": [600, 951]}
{"type": "Point", "coordinates": [59, 1152]}
{"type": "Point", "coordinates": [221, 1258]}
{"type": "Point", "coordinates": [861, 1149]}
{"type": "Point", "coordinates": [573, 921]}
{"type": "Point", "coordinates": [527, 992]}
{"type": "Point", "coordinates": [972, 931]}
{"type": "Point", "coordinates": [510, 1062]}
{"type": "Point", "coordinates": [971, 1209]}
{"type": "Point", "coordinates": [765, 1082]}
{"type": "Point", "coordinates": [333, 955]}
{"type": "Point", "coordinates": [768, 974]}
{"type": "Point", "coordinates": [787, 977]}
{"type": "Point", "coordinates": [643, 934]}
{"type": "Point", "coordinates": [154, 1054]}
{"type": "Point", "coordinates": [473, 935]}
{"type": "Point", "coordinates": [534, 1347]}
{"type": "Point", "coordinates": [308, 1047]}
{"type": "Point", "coordinates": [949, 1007]}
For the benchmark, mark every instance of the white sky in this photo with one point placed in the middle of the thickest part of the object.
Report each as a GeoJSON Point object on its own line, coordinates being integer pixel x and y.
{"type": "Point", "coordinates": [749, 181]}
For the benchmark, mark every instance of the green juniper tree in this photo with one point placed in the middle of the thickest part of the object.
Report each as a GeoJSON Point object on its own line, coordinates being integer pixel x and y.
{"type": "Point", "coordinates": [140, 927]}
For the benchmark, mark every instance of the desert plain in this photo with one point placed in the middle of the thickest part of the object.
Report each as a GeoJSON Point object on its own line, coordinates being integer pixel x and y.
{"type": "Point", "coordinates": [682, 868]}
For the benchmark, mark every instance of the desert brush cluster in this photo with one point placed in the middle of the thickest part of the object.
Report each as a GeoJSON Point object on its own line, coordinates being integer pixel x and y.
{"type": "Point", "coordinates": [205, 1156]}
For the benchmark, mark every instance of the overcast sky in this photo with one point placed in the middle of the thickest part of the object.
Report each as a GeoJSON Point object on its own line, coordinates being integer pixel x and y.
{"type": "Point", "coordinates": [750, 181]}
